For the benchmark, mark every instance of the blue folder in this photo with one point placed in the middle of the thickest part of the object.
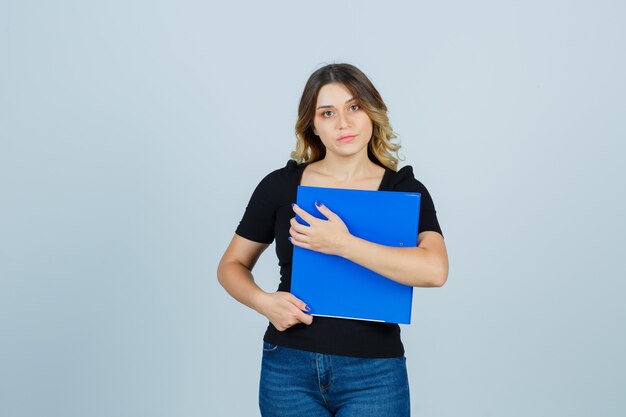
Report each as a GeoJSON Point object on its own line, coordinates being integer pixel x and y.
{"type": "Point", "coordinates": [333, 286]}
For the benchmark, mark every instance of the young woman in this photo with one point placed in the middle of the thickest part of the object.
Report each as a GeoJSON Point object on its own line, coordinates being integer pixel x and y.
{"type": "Point", "coordinates": [322, 366]}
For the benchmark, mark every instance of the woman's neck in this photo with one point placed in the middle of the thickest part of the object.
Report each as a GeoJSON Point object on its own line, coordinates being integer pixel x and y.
{"type": "Point", "coordinates": [346, 169]}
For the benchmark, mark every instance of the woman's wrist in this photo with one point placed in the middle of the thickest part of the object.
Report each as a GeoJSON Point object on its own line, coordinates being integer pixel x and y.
{"type": "Point", "coordinates": [259, 301]}
{"type": "Point", "coordinates": [345, 245]}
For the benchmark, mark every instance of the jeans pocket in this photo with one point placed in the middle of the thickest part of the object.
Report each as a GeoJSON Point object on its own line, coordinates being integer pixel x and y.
{"type": "Point", "coordinates": [269, 347]}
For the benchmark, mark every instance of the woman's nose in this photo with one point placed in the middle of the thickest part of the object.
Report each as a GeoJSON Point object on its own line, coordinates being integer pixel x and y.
{"type": "Point", "coordinates": [343, 120]}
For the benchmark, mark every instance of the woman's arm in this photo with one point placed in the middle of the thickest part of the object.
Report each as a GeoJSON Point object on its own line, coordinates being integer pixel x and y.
{"type": "Point", "coordinates": [423, 266]}
{"type": "Point", "coordinates": [234, 273]}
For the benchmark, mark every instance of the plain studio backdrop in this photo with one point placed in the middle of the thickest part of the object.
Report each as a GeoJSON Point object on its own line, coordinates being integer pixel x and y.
{"type": "Point", "coordinates": [133, 134]}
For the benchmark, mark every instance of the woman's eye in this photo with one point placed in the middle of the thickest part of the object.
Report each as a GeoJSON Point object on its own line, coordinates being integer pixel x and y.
{"type": "Point", "coordinates": [329, 113]}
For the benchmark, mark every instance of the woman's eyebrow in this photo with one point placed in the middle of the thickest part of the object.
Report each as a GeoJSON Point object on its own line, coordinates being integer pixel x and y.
{"type": "Point", "coordinates": [330, 107]}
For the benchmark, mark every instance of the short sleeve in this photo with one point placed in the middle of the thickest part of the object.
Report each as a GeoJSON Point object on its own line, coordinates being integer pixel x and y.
{"type": "Point", "coordinates": [406, 181]}
{"type": "Point", "coordinates": [258, 220]}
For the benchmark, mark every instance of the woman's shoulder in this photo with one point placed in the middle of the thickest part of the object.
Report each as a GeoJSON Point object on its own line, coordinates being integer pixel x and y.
{"type": "Point", "coordinates": [288, 170]}
{"type": "Point", "coordinates": [404, 180]}
{"type": "Point", "coordinates": [286, 173]}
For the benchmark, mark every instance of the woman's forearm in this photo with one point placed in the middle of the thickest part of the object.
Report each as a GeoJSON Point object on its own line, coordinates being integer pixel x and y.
{"type": "Point", "coordinates": [238, 281]}
{"type": "Point", "coordinates": [409, 265]}
{"type": "Point", "coordinates": [283, 309]}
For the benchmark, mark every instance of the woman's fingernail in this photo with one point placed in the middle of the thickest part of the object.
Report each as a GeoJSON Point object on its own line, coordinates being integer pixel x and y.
{"type": "Point", "coordinates": [318, 204]}
{"type": "Point", "coordinates": [307, 308]}
{"type": "Point", "coordinates": [289, 239]}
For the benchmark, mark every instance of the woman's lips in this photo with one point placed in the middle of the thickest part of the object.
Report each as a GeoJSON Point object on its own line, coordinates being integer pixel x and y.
{"type": "Point", "coordinates": [346, 138]}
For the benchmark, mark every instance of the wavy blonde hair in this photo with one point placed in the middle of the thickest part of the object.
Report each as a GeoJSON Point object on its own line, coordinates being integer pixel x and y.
{"type": "Point", "coordinates": [309, 147]}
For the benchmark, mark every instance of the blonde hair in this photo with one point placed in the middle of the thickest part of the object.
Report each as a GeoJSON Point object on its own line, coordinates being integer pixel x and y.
{"type": "Point", "coordinates": [309, 147]}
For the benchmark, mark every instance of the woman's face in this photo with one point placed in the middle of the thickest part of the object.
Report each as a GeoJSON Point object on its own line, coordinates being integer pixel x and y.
{"type": "Point", "coordinates": [343, 127]}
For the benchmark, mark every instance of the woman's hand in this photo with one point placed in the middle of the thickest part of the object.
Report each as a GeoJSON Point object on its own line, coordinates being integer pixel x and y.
{"type": "Point", "coordinates": [326, 236]}
{"type": "Point", "coordinates": [284, 310]}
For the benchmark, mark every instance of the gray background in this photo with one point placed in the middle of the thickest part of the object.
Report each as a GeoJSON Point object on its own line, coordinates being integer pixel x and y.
{"type": "Point", "coordinates": [133, 133]}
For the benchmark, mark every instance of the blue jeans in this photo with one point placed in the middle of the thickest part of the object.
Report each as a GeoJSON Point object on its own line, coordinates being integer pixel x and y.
{"type": "Point", "coordinates": [306, 384]}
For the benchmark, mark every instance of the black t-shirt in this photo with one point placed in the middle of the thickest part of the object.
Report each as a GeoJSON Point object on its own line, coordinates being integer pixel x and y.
{"type": "Point", "coordinates": [267, 218]}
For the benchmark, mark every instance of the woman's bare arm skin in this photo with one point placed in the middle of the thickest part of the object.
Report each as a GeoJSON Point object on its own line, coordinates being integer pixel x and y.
{"type": "Point", "coordinates": [423, 266]}
{"type": "Point", "coordinates": [234, 273]}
